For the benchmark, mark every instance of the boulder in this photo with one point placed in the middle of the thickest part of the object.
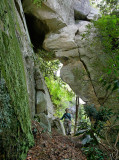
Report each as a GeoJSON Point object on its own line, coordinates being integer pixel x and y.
{"type": "Point", "coordinates": [76, 75]}
{"type": "Point", "coordinates": [93, 14]}
{"type": "Point", "coordinates": [58, 126]}
{"type": "Point", "coordinates": [84, 11]}
{"type": "Point", "coordinates": [81, 9]}
{"type": "Point", "coordinates": [54, 13]}
{"type": "Point", "coordinates": [44, 121]}
{"type": "Point", "coordinates": [63, 40]}
{"type": "Point", "coordinates": [43, 100]}
{"type": "Point", "coordinates": [41, 103]}
{"type": "Point", "coordinates": [70, 53]}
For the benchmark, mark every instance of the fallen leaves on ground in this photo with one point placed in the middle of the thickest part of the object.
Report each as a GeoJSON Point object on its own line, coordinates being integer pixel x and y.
{"type": "Point", "coordinates": [53, 147]}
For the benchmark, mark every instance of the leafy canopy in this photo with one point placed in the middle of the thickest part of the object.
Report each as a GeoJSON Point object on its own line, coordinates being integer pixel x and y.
{"type": "Point", "coordinates": [60, 94]}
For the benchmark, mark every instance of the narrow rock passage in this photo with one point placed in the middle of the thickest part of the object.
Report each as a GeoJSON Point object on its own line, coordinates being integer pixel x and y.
{"type": "Point", "coordinates": [53, 146]}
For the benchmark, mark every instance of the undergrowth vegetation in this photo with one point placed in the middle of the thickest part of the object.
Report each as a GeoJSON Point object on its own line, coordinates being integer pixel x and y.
{"type": "Point", "coordinates": [100, 140]}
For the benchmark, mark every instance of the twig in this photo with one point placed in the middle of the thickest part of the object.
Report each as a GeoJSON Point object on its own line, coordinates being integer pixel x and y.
{"type": "Point", "coordinates": [116, 140]}
{"type": "Point", "coordinates": [104, 147]}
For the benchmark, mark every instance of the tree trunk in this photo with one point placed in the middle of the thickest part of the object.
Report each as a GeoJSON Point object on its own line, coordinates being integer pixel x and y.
{"type": "Point", "coordinates": [76, 115]}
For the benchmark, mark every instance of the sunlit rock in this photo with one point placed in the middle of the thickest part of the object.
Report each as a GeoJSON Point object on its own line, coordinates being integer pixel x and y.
{"type": "Point", "coordinates": [76, 75]}
{"type": "Point", "coordinates": [43, 100]}
{"type": "Point", "coordinates": [68, 53]}
{"type": "Point", "coordinates": [84, 11]}
{"type": "Point", "coordinates": [81, 9]}
{"type": "Point", "coordinates": [54, 13]}
{"type": "Point", "coordinates": [63, 40]}
{"type": "Point", "coordinates": [93, 14]}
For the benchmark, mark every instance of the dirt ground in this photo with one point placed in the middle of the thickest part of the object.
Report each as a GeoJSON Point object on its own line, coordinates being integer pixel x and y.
{"type": "Point", "coordinates": [53, 146]}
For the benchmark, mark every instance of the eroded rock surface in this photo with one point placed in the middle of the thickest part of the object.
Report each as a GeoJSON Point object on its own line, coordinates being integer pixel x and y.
{"type": "Point", "coordinates": [43, 100]}
{"type": "Point", "coordinates": [82, 64]}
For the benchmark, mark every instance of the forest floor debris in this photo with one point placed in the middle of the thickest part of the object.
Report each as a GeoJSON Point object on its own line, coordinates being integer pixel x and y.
{"type": "Point", "coordinates": [53, 146]}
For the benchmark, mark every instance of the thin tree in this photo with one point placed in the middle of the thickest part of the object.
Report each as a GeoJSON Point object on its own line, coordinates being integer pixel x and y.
{"type": "Point", "coordinates": [76, 114]}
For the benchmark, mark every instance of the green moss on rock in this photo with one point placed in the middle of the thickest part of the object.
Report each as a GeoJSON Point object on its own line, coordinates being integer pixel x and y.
{"type": "Point", "coordinates": [12, 69]}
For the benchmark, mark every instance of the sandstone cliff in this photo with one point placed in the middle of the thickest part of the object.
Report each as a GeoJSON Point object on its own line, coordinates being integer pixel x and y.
{"type": "Point", "coordinates": [60, 26]}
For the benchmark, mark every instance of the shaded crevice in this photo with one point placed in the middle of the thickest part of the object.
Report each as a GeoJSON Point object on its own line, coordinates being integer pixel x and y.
{"type": "Point", "coordinates": [42, 90]}
{"type": "Point", "coordinates": [37, 31]}
{"type": "Point", "coordinates": [78, 16]}
{"type": "Point", "coordinates": [18, 9]}
{"type": "Point", "coordinates": [64, 60]}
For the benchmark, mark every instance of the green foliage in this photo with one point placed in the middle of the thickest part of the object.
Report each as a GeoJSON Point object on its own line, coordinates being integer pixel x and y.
{"type": "Point", "coordinates": [46, 55]}
{"type": "Point", "coordinates": [94, 153]}
{"type": "Point", "coordinates": [83, 124]}
{"type": "Point", "coordinates": [100, 117]}
{"type": "Point", "coordinates": [83, 120]}
{"type": "Point", "coordinates": [100, 129]}
{"type": "Point", "coordinates": [106, 38]}
{"type": "Point", "coordinates": [90, 111]}
{"type": "Point", "coordinates": [48, 68]}
{"type": "Point", "coordinates": [103, 114]}
{"type": "Point", "coordinates": [92, 134]}
{"type": "Point", "coordinates": [12, 69]}
{"type": "Point", "coordinates": [38, 2]}
{"type": "Point", "coordinates": [59, 93]}
{"type": "Point", "coordinates": [108, 6]}
{"type": "Point", "coordinates": [108, 32]}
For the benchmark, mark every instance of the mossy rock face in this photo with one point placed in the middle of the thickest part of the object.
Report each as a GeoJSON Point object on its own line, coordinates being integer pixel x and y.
{"type": "Point", "coordinates": [15, 123]}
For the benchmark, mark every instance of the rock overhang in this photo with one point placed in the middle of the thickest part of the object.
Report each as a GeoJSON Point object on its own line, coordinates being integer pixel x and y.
{"type": "Point", "coordinates": [64, 37]}
{"type": "Point", "coordinates": [53, 16]}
